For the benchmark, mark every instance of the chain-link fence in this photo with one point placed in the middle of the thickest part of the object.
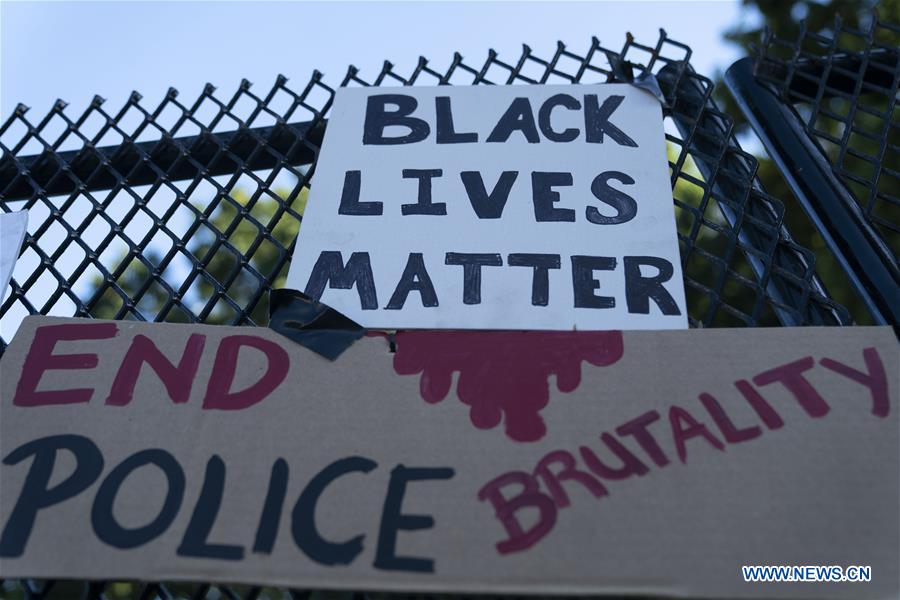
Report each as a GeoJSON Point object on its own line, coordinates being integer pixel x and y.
{"type": "Point", "coordinates": [846, 84]}
{"type": "Point", "coordinates": [188, 211]}
{"type": "Point", "coordinates": [825, 106]}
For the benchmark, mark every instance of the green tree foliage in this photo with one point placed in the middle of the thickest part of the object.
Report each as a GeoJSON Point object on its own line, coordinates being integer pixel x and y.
{"type": "Point", "coordinates": [233, 230]}
{"type": "Point", "coordinates": [785, 18]}
{"type": "Point", "coordinates": [224, 262]}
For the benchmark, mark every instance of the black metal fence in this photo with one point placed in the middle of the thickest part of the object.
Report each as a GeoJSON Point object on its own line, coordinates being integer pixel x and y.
{"type": "Point", "coordinates": [826, 109]}
{"type": "Point", "coordinates": [849, 82]}
{"type": "Point", "coordinates": [188, 211]}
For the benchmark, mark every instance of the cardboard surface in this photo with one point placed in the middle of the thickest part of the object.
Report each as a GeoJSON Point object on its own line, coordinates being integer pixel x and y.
{"type": "Point", "coordinates": [640, 466]}
{"type": "Point", "coordinates": [557, 196]}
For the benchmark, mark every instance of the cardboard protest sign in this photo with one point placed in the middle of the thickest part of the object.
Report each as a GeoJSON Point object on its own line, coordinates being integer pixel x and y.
{"type": "Point", "coordinates": [638, 462]}
{"type": "Point", "coordinates": [494, 207]}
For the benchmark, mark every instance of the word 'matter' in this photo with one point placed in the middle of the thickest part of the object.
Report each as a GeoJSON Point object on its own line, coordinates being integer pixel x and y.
{"type": "Point", "coordinates": [331, 271]}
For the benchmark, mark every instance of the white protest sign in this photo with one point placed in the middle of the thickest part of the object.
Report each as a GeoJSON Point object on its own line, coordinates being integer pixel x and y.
{"type": "Point", "coordinates": [12, 234]}
{"type": "Point", "coordinates": [495, 207]}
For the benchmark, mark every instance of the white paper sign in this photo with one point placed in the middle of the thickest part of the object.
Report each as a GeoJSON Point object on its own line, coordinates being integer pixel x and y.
{"type": "Point", "coordinates": [496, 207]}
{"type": "Point", "coordinates": [12, 234]}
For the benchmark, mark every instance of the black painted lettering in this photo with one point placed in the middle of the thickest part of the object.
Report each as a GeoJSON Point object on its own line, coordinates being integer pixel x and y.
{"type": "Point", "coordinates": [544, 114]}
{"type": "Point", "coordinates": [596, 121]}
{"type": "Point", "coordinates": [415, 278]}
{"type": "Point", "coordinates": [540, 281]}
{"type": "Point", "coordinates": [544, 196]}
{"type": "Point", "coordinates": [271, 514]}
{"type": "Point", "coordinates": [330, 270]}
{"type": "Point", "coordinates": [350, 204]}
{"type": "Point", "coordinates": [393, 520]}
{"type": "Point", "coordinates": [378, 118]}
{"type": "Point", "coordinates": [195, 542]}
{"type": "Point", "coordinates": [424, 206]}
{"type": "Point", "coordinates": [445, 132]}
{"type": "Point", "coordinates": [488, 205]}
{"type": "Point", "coordinates": [303, 524]}
{"type": "Point", "coordinates": [518, 117]}
{"type": "Point", "coordinates": [104, 522]}
{"type": "Point", "coordinates": [36, 493]}
{"type": "Point", "coordinates": [584, 283]}
{"type": "Point", "coordinates": [626, 207]}
{"type": "Point", "coordinates": [639, 289]}
{"type": "Point", "coordinates": [471, 264]}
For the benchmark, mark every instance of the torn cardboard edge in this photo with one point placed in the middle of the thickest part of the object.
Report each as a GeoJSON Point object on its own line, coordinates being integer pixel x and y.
{"type": "Point", "coordinates": [312, 324]}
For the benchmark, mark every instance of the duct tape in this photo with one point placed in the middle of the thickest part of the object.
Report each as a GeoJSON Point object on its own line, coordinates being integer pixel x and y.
{"type": "Point", "coordinates": [623, 72]}
{"type": "Point", "coordinates": [312, 324]}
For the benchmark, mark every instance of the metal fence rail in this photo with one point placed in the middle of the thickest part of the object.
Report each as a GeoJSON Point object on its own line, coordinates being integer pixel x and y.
{"type": "Point", "coordinates": [825, 106]}
{"type": "Point", "coordinates": [849, 79]}
{"type": "Point", "coordinates": [187, 212]}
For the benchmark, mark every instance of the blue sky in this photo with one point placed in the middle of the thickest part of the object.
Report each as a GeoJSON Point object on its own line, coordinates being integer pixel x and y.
{"type": "Point", "coordinates": [73, 50]}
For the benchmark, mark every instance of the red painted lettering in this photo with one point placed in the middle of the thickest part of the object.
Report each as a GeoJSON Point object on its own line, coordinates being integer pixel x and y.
{"type": "Point", "coordinates": [876, 379]}
{"type": "Point", "coordinates": [791, 377]}
{"type": "Point", "coordinates": [732, 434]}
{"type": "Point", "coordinates": [693, 428]}
{"type": "Point", "coordinates": [530, 496]}
{"type": "Point", "coordinates": [759, 404]}
{"type": "Point", "coordinates": [218, 393]}
{"type": "Point", "coordinates": [631, 464]}
{"type": "Point", "coordinates": [40, 358]}
{"type": "Point", "coordinates": [637, 428]}
{"type": "Point", "coordinates": [177, 379]}
{"type": "Point", "coordinates": [568, 473]}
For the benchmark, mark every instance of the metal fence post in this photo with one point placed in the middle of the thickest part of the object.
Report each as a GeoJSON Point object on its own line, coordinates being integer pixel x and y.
{"type": "Point", "coordinates": [711, 134]}
{"type": "Point", "coordinates": [861, 252]}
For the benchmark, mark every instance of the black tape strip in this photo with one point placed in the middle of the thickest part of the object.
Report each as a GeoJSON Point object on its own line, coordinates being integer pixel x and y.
{"type": "Point", "coordinates": [311, 324]}
{"type": "Point", "coordinates": [623, 72]}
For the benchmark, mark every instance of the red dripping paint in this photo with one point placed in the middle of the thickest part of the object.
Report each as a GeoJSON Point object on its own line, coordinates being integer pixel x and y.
{"type": "Point", "coordinates": [503, 374]}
